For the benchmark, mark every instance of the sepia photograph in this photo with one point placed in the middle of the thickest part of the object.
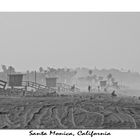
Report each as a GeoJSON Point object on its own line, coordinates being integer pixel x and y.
{"type": "Point", "coordinates": [69, 70]}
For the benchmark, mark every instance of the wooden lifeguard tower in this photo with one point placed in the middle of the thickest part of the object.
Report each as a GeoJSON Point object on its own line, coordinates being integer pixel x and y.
{"type": "Point", "coordinates": [103, 84]}
{"type": "Point", "coordinates": [15, 80]}
{"type": "Point", "coordinates": [51, 82]}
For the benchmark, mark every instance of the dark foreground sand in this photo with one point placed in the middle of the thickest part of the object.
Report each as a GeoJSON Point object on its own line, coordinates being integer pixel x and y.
{"type": "Point", "coordinates": [100, 111]}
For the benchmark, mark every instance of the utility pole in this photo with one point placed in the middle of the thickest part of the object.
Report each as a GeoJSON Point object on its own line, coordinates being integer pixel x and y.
{"type": "Point", "coordinates": [28, 76]}
{"type": "Point", "coordinates": [35, 77]}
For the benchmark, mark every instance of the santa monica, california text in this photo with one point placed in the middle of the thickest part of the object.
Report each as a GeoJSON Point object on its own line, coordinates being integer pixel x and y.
{"type": "Point", "coordinates": [90, 133]}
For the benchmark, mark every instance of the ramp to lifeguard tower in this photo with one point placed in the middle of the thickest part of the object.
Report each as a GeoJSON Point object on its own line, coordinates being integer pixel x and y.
{"type": "Point", "coordinates": [3, 84]}
{"type": "Point", "coordinates": [60, 87]}
{"type": "Point", "coordinates": [37, 86]}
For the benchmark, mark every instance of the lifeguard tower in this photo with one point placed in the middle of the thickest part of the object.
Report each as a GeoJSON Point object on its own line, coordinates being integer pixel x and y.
{"type": "Point", "coordinates": [103, 85]}
{"type": "Point", "coordinates": [15, 81]}
{"type": "Point", "coordinates": [51, 82]}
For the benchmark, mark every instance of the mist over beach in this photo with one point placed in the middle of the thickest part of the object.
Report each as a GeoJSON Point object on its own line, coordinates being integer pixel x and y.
{"type": "Point", "coordinates": [69, 70]}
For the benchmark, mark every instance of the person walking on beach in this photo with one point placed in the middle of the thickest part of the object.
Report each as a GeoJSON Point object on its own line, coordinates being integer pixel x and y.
{"type": "Point", "coordinates": [73, 88]}
{"type": "Point", "coordinates": [89, 88]}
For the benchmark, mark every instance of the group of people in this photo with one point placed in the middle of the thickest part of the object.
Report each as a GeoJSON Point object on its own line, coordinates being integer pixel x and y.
{"type": "Point", "coordinates": [113, 92]}
{"type": "Point", "coordinates": [90, 88]}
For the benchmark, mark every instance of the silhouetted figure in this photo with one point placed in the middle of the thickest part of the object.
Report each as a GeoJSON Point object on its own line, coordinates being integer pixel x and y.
{"type": "Point", "coordinates": [98, 88]}
{"type": "Point", "coordinates": [24, 92]}
{"type": "Point", "coordinates": [73, 88]}
{"type": "Point", "coordinates": [89, 88]}
{"type": "Point", "coordinates": [113, 94]}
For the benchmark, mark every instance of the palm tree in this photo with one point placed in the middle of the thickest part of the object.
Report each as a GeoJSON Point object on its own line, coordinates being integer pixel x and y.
{"type": "Point", "coordinates": [4, 68]}
{"type": "Point", "coordinates": [95, 78]}
{"type": "Point", "coordinates": [109, 77]}
{"type": "Point", "coordinates": [41, 69]}
{"type": "Point", "coordinates": [90, 74]}
{"type": "Point", "coordinates": [11, 70]}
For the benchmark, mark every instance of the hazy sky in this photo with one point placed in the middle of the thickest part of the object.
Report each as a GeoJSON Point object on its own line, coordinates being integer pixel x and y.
{"type": "Point", "coordinates": [104, 40]}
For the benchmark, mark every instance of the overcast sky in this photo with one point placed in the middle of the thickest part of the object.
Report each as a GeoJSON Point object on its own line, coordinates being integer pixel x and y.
{"type": "Point", "coordinates": [104, 40]}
